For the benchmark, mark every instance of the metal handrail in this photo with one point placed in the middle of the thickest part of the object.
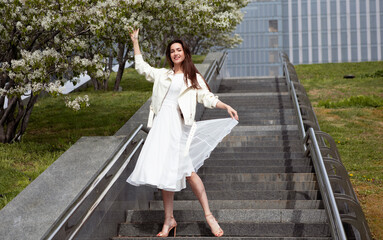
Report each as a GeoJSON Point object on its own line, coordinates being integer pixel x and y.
{"type": "Point", "coordinates": [93, 185]}
{"type": "Point", "coordinates": [326, 189]}
{"type": "Point", "coordinates": [222, 61]}
{"type": "Point", "coordinates": [293, 94]}
{"type": "Point", "coordinates": [337, 230]}
{"type": "Point", "coordinates": [102, 195]}
{"type": "Point", "coordinates": [212, 68]}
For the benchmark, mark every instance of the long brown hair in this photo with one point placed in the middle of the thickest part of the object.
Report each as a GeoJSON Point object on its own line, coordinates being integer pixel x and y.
{"type": "Point", "coordinates": [188, 67]}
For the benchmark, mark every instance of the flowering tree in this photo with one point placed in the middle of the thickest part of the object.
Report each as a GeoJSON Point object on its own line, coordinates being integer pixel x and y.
{"type": "Point", "coordinates": [42, 44]}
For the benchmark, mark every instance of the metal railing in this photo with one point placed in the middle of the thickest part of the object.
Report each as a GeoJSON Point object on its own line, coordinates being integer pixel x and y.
{"type": "Point", "coordinates": [214, 67]}
{"type": "Point", "coordinates": [107, 179]}
{"type": "Point", "coordinates": [343, 209]}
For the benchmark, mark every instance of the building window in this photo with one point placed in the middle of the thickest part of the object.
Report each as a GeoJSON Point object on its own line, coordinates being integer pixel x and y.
{"type": "Point", "coordinates": [273, 56]}
{"type": "Point", "coordinates": [273, 25]}
{"type": "Point", "coordinates": [273, 41]}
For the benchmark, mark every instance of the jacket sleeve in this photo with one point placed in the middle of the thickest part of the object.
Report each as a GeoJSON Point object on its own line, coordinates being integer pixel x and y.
{"type": "Point", "coordinates": [204, 96]}
{"type": "Point", "coordinates": [144, 68]}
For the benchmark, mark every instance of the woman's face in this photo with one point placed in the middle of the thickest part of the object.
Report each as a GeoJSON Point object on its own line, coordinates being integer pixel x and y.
{"type": "Point", "coordinates": [177, 54]}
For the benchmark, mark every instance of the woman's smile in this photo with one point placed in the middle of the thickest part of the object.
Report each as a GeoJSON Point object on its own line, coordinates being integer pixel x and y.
{"type": "Point", "coordinates": [177, 53]}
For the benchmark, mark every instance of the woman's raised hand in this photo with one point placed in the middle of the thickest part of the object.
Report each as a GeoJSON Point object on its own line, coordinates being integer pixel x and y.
{"type": "Point", "coordinates": [134, 37]}
{"type": "Point", "coordinates": [134, 34]}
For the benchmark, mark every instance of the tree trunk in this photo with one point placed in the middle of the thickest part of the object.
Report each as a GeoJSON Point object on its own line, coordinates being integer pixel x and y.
{"type": "Point", "coordinates": [96, 84]}
{"type": "Point", "coordinates": [105, 84]}
{"type": "Point", "coordinates": [25, 118]}
{"type": "Point", "coordinates": [122, 58]}
{"type": "Point", "coordinates": [120, 72]}
{"type": "Point", "coordinates": [110, 62]}
{"type": "Point", "coordinates": [15, 118]}
{"type": "Point", "coordinates": [105, 81]}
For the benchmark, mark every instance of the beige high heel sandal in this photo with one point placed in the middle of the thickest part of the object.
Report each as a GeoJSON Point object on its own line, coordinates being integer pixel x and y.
{"type": "Point", "coordinates": [219, 233]}
{"type": "Point", "coordinates": [161, 234]}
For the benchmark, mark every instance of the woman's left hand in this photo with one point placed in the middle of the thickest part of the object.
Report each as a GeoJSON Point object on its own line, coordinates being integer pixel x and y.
{"type": "Point", "coordinates": [232, 112]}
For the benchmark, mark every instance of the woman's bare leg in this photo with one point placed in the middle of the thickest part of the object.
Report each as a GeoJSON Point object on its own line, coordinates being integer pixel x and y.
{"type": "Point", "coordinates": [167, 198]}
{"type": "Point", "coordinates": [199, 190]}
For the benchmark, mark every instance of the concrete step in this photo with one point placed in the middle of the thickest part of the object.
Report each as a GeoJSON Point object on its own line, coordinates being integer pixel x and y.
{"type": "Point", "coordinates": [228, 142]}
{"type": "Point", "coordinates": [231, 229]}
{"type": "Point", "coordinates": [252, 108]}
{"type": "Point", "coordinates": [248, 195]}
{"type": "Point", "coordinates": [244, 113]}
{"type": "Point", "coordinates": [226, 238]}
{"type": "Point", "coordinates": [295, 149]}
{"type": "Point", "coordinates": [258, 162]}
{"type": "Point", "coordinates": [260, 98]}
{"type": "Point", "coordinates": [241, 204]}
{"type": "Point", "coordinates": [253, 104]}
{"type": "Point", "coordinates": [254, 95]}
{"type": "Point", "coordinates": [257, 155]}
{"type": "Point", "coordinates": [258, 111]}
{"type": "Point", "coordinates": [239, 80]}
{"type": "Point", "coordinates": [263, 138]}
{"type": "Point", "coordinates": [254, 169]}
{"type": "Point", "coordinates": [262, 78]}
{"type": "Point", "coordinates": [258, 121]}
{"type": "Point", "coordinates": [253, 88]}
{"type": "Point", "coordinates": [233, 215]}
{"type": "Point", "coordinates": [238, 84]}
{"type": "Point", "coordinates": [258, 177]}
{"type": "Point", "coordinates": [240, 186]}
{"type": "Point", "coordinates": [254, 130]}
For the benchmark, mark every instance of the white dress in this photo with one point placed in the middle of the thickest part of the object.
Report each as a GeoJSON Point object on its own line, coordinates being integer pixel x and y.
{"type": "Point", "coordinates": [173, 150]}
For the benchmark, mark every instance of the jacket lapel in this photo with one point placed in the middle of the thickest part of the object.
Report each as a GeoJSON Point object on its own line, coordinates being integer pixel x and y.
{"type": "Point", "coordinates": [185, 86]}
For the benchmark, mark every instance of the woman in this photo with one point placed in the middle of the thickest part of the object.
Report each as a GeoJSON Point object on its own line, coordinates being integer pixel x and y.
{"type": "Point", "coordinates": [176, 146]}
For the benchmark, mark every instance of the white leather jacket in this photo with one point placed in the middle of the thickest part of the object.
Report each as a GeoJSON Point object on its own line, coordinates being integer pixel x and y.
{"type": "Point", "coordinates": [187, 100]}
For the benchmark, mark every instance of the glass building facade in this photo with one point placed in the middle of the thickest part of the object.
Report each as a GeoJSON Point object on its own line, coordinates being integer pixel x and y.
{"type": "Point", "coordinates": [309, 31]}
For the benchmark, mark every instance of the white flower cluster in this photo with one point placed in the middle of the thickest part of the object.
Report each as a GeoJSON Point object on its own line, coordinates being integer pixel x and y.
{"type": "Point", "coordinates": [35, 87]}
{"type": "Point", "coordinates": [78, 103]}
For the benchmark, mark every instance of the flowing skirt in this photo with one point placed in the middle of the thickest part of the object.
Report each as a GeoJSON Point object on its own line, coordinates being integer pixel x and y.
{"type": "Point", "coordinates": [172, 150]}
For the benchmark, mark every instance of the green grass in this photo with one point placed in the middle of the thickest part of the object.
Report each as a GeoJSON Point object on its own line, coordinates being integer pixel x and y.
{"type": "Point", "coordinates": [53, 128]}
{"type": "Point", "coordinates": [353, 101]}
{"type": "Point", "coordinates": [326, 82]}
{"type": "Point", "coordinates": [351, 111]}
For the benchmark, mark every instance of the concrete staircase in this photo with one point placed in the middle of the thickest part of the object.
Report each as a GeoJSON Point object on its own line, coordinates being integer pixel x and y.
{"type": "Point", "coordinates": [259, 184]}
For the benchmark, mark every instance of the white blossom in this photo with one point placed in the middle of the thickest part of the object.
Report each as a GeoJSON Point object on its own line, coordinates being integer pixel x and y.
{"type": "Point", "coordinates": [78, 103]}
{"type": "Point", "coordinates": [19, 25]}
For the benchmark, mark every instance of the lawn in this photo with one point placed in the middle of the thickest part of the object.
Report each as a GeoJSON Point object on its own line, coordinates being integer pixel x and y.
{"type": "Point", "coordinates": [53, 128]}
{"type": "Point", "coordinates": [351, 111]}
